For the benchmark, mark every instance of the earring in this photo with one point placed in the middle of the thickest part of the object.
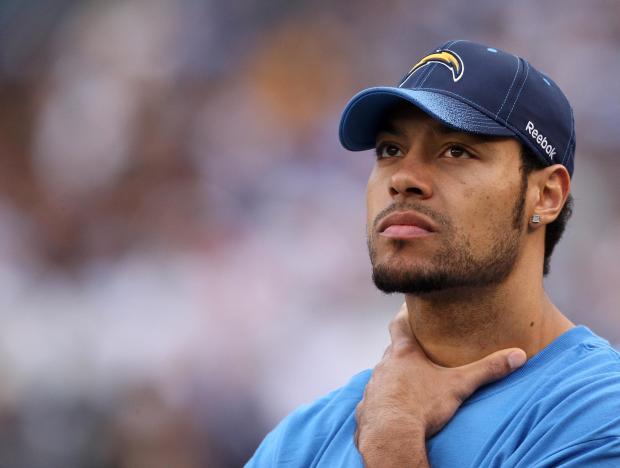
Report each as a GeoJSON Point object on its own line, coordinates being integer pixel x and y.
{"type": "Point", "coordinates": [535, 218]}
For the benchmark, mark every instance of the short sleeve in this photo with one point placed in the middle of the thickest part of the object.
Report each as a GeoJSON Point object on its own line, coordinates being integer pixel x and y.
{"type": "Point", "coordinates": [320, 433]}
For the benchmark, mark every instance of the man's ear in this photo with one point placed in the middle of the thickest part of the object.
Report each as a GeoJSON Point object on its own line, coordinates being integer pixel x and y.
{"type": "Point", "coordinates": [553, 185]}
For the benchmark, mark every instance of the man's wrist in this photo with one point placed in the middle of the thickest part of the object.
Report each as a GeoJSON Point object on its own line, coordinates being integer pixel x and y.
{"type": "Point", "coordinates": [402, 444]}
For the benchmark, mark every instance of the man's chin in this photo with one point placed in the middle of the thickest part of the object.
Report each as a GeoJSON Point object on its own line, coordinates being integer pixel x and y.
{"type": "Point", "coordinates": [389, 279]}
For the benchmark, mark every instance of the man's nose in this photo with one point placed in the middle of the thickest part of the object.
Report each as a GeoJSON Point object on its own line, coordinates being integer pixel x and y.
{"type": "Point", "coordinates": [411, 179]}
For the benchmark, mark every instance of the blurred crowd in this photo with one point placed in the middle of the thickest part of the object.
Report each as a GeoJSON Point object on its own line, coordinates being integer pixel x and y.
{"type": "Point", "coordinates": [182, 239]}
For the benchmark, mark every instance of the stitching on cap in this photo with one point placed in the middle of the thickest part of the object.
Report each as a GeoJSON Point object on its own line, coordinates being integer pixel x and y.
{"type": "Point", "coordinates": [514, 78]}
{"type": "Point", "coordinates": [426, 75]}
{"type": "Point", "coordinates": [422, 75]}
{"type": "Point", "coordinates": [571, 140]}
{"type": "Point", "coordinates": [434, 65]}
{"type": "Point", "coordinates": [527, 71]}
{"type": "Point", "coordinates": [447, 47]}
{"type": "Point", "coordinates": [572, 132]}
{"type": "Point", "coordinates": [450, 44]}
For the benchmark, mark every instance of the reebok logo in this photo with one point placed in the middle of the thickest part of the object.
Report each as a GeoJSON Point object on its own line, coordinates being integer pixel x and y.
{"type": "Point", "coordinates": [540, 139]}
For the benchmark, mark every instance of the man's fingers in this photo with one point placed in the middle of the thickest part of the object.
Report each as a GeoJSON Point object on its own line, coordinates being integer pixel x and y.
{"type": "Point", "coordinates": [400, 329]}
{"type": "Point", "coordinates": [489, 369]}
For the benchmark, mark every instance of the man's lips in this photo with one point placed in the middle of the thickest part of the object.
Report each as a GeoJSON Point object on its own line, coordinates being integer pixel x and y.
{"type": "Point", "coordinates": [406, 224]}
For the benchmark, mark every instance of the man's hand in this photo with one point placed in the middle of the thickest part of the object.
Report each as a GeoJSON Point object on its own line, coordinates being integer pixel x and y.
{"type": "Point", "coordinates": [409, 398]}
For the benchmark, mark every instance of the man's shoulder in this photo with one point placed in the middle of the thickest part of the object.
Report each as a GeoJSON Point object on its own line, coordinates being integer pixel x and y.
{"type": "Point", "coordinates": [322, 430]}
{"type": "Point", "coordinates": [330, 409]}
{"type": "Point", "coordinates": [572, 415]}
{"type": "Point", "coordinates": [585, 384]}
{"type": "Point", "coordinates": [591, 362]}
{"type": "Point", "coordinates": [563, 405]}
{"type": "Point", "coordinates": [583, 371]}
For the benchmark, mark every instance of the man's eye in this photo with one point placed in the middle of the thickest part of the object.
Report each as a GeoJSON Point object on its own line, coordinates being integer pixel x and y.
{"type": "Point", "coordinates": [387, 150]}
{"type": "Point", "coordinates": [457, 152]}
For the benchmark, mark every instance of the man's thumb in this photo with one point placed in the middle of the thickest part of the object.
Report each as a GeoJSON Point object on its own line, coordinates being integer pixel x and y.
{"type": "Point", "coordinates": [490, 368]}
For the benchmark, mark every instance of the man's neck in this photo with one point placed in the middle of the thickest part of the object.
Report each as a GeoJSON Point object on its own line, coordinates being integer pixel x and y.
{"type": "Point", "coordinates": [456, 327]}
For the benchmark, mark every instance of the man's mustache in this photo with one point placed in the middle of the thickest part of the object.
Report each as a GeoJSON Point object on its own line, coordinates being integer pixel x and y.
{"type": "Point", "coordinates": [439, 218]}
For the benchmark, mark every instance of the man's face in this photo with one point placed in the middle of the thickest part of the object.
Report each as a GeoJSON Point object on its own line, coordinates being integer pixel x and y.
{"type": "Point", "coordinates": [445, 209]}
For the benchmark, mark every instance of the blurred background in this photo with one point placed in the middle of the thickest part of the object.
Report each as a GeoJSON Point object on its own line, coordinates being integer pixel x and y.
{"type": "Point", "coordinates": [182, 239]}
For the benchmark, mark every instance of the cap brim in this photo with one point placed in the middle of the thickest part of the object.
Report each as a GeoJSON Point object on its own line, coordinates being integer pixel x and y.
{"type": "Point", "coordinates": [365, 112]}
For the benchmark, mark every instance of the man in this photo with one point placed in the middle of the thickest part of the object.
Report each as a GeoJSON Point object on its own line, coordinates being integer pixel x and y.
{"type": "Point", "coordinates": [467, 199]}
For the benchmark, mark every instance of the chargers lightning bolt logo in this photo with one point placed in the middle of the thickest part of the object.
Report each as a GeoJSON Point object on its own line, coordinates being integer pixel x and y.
{"type": "Point", "coordinates": [446, 58]}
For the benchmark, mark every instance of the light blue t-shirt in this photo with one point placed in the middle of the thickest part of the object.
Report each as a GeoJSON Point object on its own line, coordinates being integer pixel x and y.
{"type": "Point", "coordinates": [562, 408]}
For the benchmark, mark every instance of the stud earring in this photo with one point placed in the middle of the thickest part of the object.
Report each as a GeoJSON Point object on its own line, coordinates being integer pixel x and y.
{"type": "Point", "coordinates": [535, 219]}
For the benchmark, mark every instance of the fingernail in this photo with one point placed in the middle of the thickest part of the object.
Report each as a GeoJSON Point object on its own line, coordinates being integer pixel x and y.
{"type": "Point", "coordinates": [516, 359]}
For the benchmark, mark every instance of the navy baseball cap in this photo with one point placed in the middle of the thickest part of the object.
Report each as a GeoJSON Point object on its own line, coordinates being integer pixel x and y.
{"type": "Point", "coordinates": [474, 89]}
